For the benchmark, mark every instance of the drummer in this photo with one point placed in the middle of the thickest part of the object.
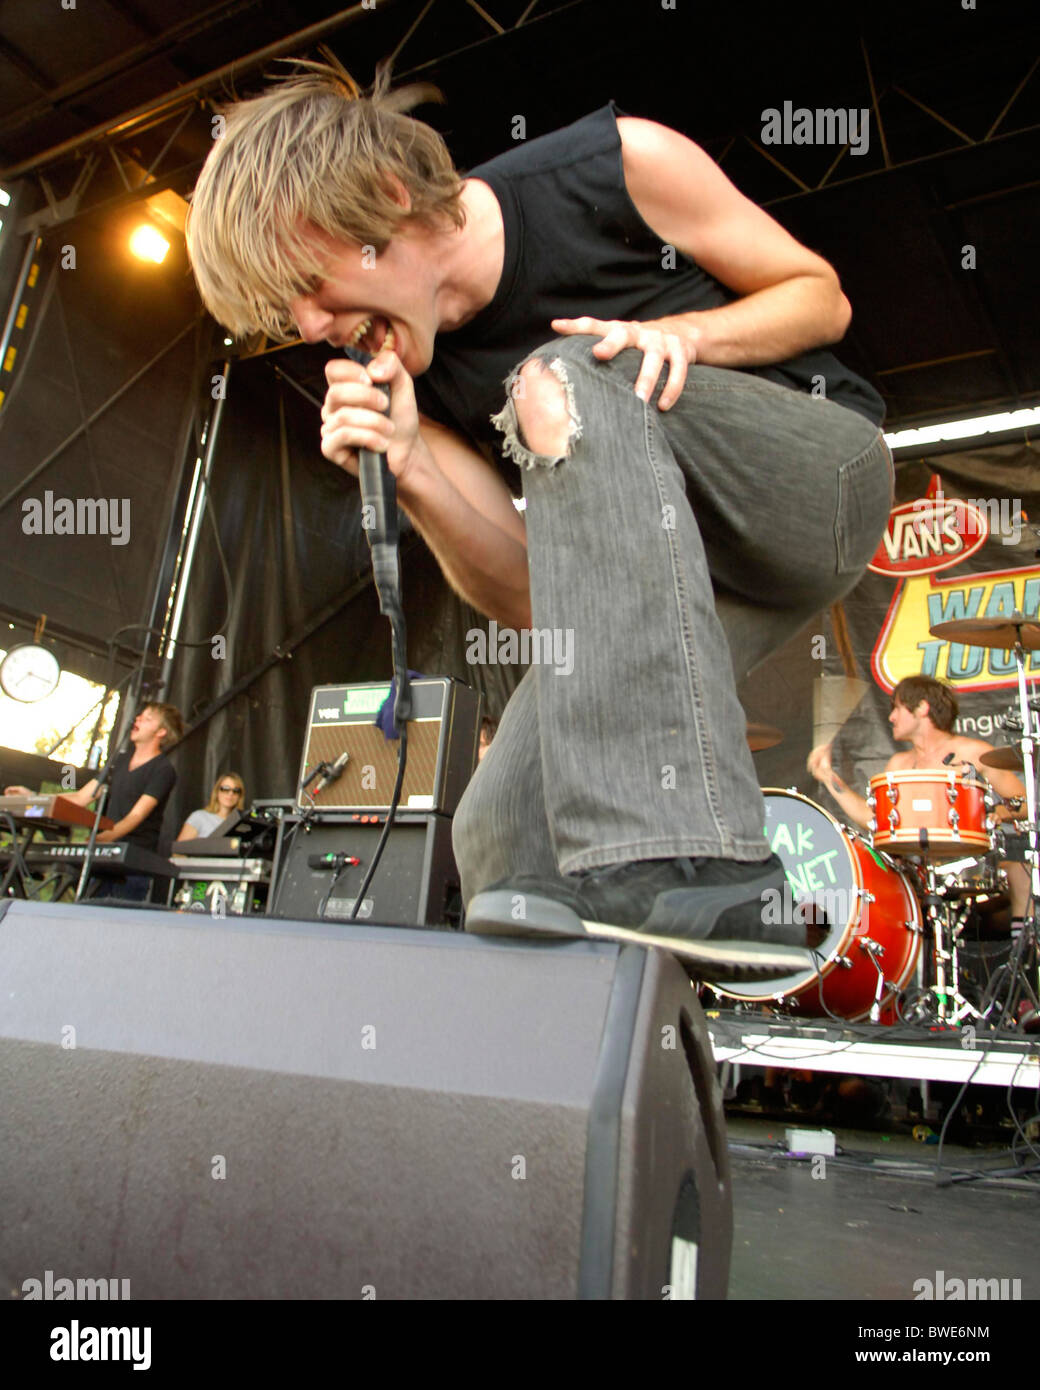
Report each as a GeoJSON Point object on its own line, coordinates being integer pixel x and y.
{"type": "Point", "coordinates": [923, 715]}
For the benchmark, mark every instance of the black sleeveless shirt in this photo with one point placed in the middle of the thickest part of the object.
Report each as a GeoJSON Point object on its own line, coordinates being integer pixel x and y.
{"type": "Point", "coordinates": [575, 244]}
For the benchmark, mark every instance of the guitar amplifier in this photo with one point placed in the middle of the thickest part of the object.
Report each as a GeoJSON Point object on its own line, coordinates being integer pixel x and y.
{"type": "Point", "coordinates": [443, 736]}
{"type": "Point", "coordinates": [416, 882]}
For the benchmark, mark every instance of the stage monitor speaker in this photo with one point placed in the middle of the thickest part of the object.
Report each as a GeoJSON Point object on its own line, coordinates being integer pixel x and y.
{"type": "Point", "coordinates": [415, 884]}
{"type": "Point", "coordinates": [443, 735]}
{"type": "Point", "coordinates": [245, 1108]}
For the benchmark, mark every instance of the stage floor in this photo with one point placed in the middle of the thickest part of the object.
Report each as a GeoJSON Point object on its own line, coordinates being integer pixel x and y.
{"type": "Point", "coordinates": [869, 1235]}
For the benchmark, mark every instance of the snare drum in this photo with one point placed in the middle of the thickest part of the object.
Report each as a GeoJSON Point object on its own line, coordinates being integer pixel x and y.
{"type": "Point", "coordinates": [862, 903]}
{"type": "Point", "coordinates": [943, 815]}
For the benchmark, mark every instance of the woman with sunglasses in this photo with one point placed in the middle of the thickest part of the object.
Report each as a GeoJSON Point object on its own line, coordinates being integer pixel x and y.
{"type": "Point", "coordinates": [228, 795]}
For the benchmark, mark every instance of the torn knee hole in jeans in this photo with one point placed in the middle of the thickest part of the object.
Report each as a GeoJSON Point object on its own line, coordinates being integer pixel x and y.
{"type": "Point", "coordinates": [508, 421]}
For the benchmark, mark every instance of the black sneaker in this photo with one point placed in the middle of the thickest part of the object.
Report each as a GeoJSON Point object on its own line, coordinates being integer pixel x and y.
{"type": "Point", "coordinates": [719, 915]}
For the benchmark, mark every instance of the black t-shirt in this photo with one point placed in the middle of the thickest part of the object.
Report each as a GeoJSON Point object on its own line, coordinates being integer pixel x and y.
{"type": "Point", "coordinates": [575, 244]}
{"type": "Point", "coordinates": [155, 778]}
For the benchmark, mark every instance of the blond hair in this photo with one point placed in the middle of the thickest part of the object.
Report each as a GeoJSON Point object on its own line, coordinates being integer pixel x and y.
{"type": "Point", "coordinates": [310, 150]}
{"type": "Point", "coordinates": [213, 804]}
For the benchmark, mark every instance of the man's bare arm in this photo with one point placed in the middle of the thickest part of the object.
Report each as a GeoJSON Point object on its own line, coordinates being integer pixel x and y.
{"type": "Point", "coordinates": [142, 808]}
{"type": "Point", "coordinates": [791, 298]}
{"type": "Point", "coordinates": [83, 797]}
{"type": "Point", "coordinates": [465, 513]}
{"type": "Point", "coordinates": [461, 507]}
{"type": "Point", "coordinates": [854, 806]}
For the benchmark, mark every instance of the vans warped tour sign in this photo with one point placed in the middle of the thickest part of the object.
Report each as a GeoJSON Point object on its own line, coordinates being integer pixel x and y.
{"type": "Point", "coordinates": [961, 543]}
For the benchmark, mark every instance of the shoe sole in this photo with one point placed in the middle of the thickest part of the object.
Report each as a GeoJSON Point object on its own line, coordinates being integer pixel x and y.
{"type": "Point", "coordinates": [490, 914]}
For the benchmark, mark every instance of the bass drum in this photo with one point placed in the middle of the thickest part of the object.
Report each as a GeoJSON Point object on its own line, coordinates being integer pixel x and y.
{"type": "Point", "coordinates": [860, 906]}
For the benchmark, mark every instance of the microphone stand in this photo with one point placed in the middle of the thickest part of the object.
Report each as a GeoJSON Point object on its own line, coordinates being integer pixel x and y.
{"type": "Point", "coordinates": [102, 797]}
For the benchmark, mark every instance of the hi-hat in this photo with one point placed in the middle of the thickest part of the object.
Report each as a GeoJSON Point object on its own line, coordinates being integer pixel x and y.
{"type": "Point", "coordinates": [1007, 759]}
{"type": "Point", "coordinates": [1001, 633]}
{"type": "Point", "coordinates": [760, 736]}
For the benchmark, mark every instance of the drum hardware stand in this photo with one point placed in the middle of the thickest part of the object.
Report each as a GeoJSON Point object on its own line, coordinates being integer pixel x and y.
{"type": "Point", "coordinates": [875, 950]}
{"type": "Point", "coordinates": [964, 1008]}
{"type": "Point", "coordinates": [1024, 633]}
{"type": "Point", "coordinates": [1030, 733]}
{"type": "Point", "coordinates": [937, 912]}
{"type": "Point", "coordinates": [1013, 971]}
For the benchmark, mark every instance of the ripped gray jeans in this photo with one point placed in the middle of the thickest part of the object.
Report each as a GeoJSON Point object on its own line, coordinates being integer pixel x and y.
{"type": "Point", "coordinates": [669, 552]}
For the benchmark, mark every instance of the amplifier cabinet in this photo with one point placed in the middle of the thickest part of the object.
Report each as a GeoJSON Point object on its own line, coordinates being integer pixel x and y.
{"type": "Point", "coordinates": [443, 736]}
{"type": "Point", "coordinates": [416, 883]}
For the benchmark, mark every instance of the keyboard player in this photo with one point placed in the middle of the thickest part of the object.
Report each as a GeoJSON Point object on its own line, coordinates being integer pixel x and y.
{"type": "Point", "coordinates": [141, 783]}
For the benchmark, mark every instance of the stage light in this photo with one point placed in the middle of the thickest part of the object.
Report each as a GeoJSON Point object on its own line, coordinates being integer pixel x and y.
{"type": "Point", "coordinates": [149, 244]}
{"type": "Point", "coordinates": [975, 428]}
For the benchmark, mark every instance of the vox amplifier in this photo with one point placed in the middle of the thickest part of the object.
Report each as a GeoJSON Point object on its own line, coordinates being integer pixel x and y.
{"type": "Point", "coordinates": [443, 735]}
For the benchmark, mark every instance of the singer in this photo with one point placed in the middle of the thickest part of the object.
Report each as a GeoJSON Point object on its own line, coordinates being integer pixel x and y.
{"type": "Point", "coordinates": [701, 478]}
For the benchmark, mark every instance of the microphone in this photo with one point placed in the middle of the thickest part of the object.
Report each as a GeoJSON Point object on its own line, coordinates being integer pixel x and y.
{"type": "Point", "coordinates": [331, 860]}
{"type": "Point", "coordinates": [379, 519]}
{"type": "Point", "coordinates": [948, 759]}
{"type": "Point", "coordinates": [378, 485]}
{"type": "Point", "coordinates": [315, 772]}
{"type": "Point", "coordinates": [332, 773]}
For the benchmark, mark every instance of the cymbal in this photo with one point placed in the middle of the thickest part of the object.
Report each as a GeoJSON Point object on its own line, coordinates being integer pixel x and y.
{"type": "Point", "coordinates": [760, 736]}
{"type": "Point", "coordinates": [1008, 759]}
{"type": "Point", "coordinates": [1002, 633]}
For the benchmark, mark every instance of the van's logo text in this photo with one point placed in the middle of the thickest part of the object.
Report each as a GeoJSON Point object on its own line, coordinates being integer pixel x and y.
{"type": "Point", "coordinates": [930, 534]}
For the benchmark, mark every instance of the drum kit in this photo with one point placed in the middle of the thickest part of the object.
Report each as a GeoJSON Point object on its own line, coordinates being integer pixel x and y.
{"type": "Point", "coordinates": [929, 866]}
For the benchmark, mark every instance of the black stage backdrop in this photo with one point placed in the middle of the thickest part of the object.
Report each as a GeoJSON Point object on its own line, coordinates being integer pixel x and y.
{"type": "Point", "coordinates": [97, 318]}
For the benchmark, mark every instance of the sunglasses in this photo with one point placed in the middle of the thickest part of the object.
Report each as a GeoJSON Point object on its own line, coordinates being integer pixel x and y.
{"type": "Point", "coordinates": [229, 789]}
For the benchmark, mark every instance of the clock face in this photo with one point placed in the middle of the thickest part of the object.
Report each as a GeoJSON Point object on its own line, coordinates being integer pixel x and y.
{"type": "Point", "coordinates": [29, 673]}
